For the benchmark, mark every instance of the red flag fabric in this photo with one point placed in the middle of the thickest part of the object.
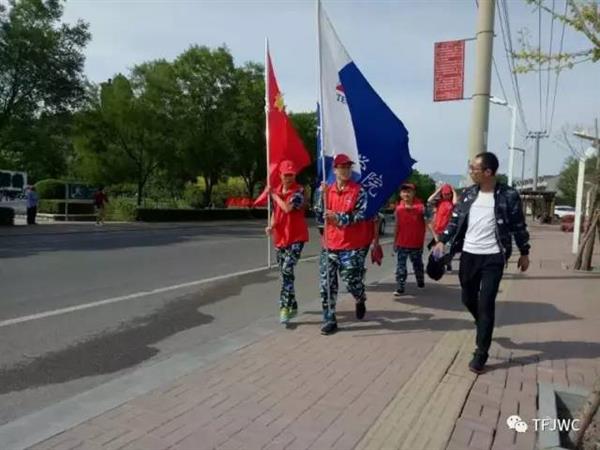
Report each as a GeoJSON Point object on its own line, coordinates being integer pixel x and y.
{"type": "Point", "coordinates": [284, 142]}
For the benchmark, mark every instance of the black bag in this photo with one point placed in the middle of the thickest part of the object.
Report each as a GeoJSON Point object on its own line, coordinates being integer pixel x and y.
{"type": "Point", "coordinates": [437, 267]}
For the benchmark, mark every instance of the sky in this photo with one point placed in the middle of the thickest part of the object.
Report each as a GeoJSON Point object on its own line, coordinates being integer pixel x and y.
{"type": "Point", "coordinates": [390, 41]}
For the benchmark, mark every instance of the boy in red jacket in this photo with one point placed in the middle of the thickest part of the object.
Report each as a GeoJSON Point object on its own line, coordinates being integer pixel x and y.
{"type": "Point", "coordinates": [290, 233]}
{"type": "Point", "coordinates": [411, 215]}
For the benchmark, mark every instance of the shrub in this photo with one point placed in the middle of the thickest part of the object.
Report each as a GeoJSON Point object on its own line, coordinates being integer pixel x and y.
{"type": "Point", "coordinates": [7, 216]}
{"type": "Point", "coordinates": [51, 189]}
{"type": "Point", "coordinates": [58, 207]}
{"type": "Point", "coordinates": [193, 196]}
{"type": "Point", "coordinates": [121, 209]}
{"type": "Point", "coordinates": [190, 215]}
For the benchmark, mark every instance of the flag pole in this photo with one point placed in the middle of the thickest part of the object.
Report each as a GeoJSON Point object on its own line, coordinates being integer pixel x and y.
{"type": "Point", "coordinates": [267, 108]}
{"type": "Point", "coordinates": [324, 179]}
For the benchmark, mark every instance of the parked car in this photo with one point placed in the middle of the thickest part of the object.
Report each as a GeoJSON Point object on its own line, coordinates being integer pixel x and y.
{"type": "Point", "coordinates": [561, 211]}
{"type": "Point", "coordinates": [384, 219]}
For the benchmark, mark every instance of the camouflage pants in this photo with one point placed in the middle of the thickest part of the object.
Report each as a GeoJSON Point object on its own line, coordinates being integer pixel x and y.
{"type": "Point", "coordinates": [351, 266]}
{"type": "Point", "coordinates": [416, 258]}
{"type": "Point", "coordinates": [287, 258]}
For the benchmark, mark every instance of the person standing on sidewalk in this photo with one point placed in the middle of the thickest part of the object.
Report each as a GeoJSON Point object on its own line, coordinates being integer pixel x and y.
{"type": "Point", "coordinates": [486, 217]}
{"type": "Point", "coordinates": [100, 201]}
{"type": "Point", "coordinates": [443, 201]}
{"type": "Point", "coordinates": [346, 240]}
{"type": "Point", "coordinates": [32, 205]}
{"type": "Point", "coordinates": [290, 233]}
{"type": "Point", "coordinates": [409, 236]}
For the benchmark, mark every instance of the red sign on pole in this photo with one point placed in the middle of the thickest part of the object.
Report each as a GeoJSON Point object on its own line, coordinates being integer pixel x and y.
{"type": "Point", "coordinates": [449, 71]}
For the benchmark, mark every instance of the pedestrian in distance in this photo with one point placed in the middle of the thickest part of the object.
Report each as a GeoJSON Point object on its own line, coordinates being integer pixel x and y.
{"type": "Point", "coordinates": [442, 201]}
{"type": "Point", "coordinates": [100, 201]}
{"type": "Point", "coordinates": [487, 216]}
{"type": "Point", "coordinates": [290, 232]}
{"type": "Point", "coordinates": [409, 237]}
{"type": "Point", "coordinates": [32, 199]}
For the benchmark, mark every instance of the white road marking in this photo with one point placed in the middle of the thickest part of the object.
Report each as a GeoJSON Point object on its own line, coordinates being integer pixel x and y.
{"type": "Point", "coordinates": [108, 301]}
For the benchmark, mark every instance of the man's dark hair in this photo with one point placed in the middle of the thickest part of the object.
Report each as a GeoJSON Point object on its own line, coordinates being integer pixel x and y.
{"type": "Point", "coordinates": [488, 161]}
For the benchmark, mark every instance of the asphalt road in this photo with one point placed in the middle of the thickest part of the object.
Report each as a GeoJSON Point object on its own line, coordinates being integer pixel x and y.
{"type": "Point", "coordinates": [45, 359]}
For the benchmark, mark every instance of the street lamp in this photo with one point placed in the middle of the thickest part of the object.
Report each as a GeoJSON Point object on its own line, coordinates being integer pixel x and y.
{"type": "Point", "coordinates": [511, 149]}
{"type": "Point", "coordinates": [589, 153]}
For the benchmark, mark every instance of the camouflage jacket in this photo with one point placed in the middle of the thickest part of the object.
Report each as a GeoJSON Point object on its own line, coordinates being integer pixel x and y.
{"type": "Point", "coordinates": [510, 220]}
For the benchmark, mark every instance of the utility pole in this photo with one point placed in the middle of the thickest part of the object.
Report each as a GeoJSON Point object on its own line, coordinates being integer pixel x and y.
{"type": "Point", "coordinates": [483, 77]}
{"type": "Point", "coordinates": [537, 135]}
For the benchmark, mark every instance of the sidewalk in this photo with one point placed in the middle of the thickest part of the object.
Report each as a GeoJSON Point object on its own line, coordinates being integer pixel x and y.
{"type": "Point", "coordinates": [399, 379]}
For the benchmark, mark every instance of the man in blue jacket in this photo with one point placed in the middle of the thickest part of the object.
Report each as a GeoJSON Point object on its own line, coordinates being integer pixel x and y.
{"type": "Point", "coordinates": [484, 221]}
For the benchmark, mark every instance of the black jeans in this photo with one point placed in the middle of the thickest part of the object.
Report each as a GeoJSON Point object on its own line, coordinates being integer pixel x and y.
{"type": "Point", "coordinates": [480, 277]}
{"type": "Point", "coordinates": [31, 213]}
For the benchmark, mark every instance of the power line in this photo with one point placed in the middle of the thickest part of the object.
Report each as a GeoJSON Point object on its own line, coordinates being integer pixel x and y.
{"type": "Point", "coordinates": [499, 79]}
{"type": "Point", "coordinates": [540, 58]}
{"type": "Point", "coordinates": [562, 38]}
{"type": "Point", "coordinates": [549, 64]}
{"type": "Point", "coordinates": [508, 50]}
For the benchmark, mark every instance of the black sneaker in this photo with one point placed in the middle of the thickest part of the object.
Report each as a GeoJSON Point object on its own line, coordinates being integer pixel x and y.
{"type": "Point", "coordinates": [477, 364]}
{"type": "Point", "coordinates": [398, 292]}
{"type": "Point", "coordinates": [330, 327]}
{"type": "Point", "coordinates": [360, 309]}
{"type": "Point", "coordinates": [421, 284]}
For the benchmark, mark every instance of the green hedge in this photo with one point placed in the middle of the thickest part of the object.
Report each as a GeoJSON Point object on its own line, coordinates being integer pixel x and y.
{"type": "Point", "coordinates": [191, 215]}
{"type": "Point", "coordinates": [58, 207]}
{"type": "Point", "coordinates": [7, 216]}
{"type": "Point", "coordinates": [50, 189]}
{"type": "Point", "coordinates": [121, 209]}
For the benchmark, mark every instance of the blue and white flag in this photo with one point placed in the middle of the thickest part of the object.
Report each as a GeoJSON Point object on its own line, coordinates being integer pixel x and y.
{"type": "Point", "coordinates": [357, 122]}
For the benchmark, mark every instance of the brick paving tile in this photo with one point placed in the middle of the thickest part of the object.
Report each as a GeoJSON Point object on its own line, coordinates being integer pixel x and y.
{"type": "Point", "coordinates": [295, 389]}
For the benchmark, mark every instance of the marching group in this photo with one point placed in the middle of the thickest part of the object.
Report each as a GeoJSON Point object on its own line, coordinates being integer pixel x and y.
{"type": "Point", "coordinates": [480, 224]}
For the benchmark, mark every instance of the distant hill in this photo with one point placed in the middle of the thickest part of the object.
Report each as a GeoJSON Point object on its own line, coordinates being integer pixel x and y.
{"type": "Point", "coordinates": [454, 180]}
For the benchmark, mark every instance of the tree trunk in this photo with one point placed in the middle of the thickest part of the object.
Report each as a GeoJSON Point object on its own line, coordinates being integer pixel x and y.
{"type": "Point", "coordinates": [140, 192]}
{"type": "Point", "coordinates": [208, 185]}
{"type": "Point", "coordinates": [248, 184]}
{"type": "Point", "coordinates": [587, 245]}
{"type": "Point", "coordinates": [586, 414]}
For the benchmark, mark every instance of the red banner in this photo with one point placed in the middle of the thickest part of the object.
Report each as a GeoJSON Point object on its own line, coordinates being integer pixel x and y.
{"type": "Point", "coordinates": [449, 71]}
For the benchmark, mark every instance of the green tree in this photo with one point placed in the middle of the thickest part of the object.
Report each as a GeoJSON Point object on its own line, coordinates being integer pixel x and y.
{"type": "Point", "coordinates": [121, 137]}
{"type": "Point", "coordinates": [305, 124]}
{"type": "Point", "coordinates": [246, 126]}
{"type": "Point", "coordinates": [424, 183]}
{"type": "Point", "coordinates": [206, 99]}
{"type": "Point", "coordinates": [582, 16]}
{"type": "Point", "coordinates": [567, 183]}
{"type": "Point", "coordinates": [41, 79]}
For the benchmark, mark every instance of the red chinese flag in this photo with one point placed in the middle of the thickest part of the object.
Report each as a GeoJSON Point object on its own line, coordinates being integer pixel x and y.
{"type": "Point", "coordinates": [284, 142]}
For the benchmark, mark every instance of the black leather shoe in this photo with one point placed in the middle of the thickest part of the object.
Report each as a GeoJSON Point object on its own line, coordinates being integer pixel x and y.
{"type": "Point", "coordinates": [477, 364]}
{"type": "Point", "coordinates": [361, 309]}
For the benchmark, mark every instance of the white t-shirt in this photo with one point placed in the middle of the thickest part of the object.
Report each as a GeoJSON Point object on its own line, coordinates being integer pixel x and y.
{"type": "Point", "coordinates": [480, 238]}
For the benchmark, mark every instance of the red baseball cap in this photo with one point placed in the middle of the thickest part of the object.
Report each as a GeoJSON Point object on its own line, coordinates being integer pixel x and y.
{"type": "Point", "coordinates": [446, 189]}
{"type": "Point", "coordinates": [408, 186]}
{"type": "Point", "coordinates": [342, 159]}
{"type": "Point", "coordinates": [287, 167]}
